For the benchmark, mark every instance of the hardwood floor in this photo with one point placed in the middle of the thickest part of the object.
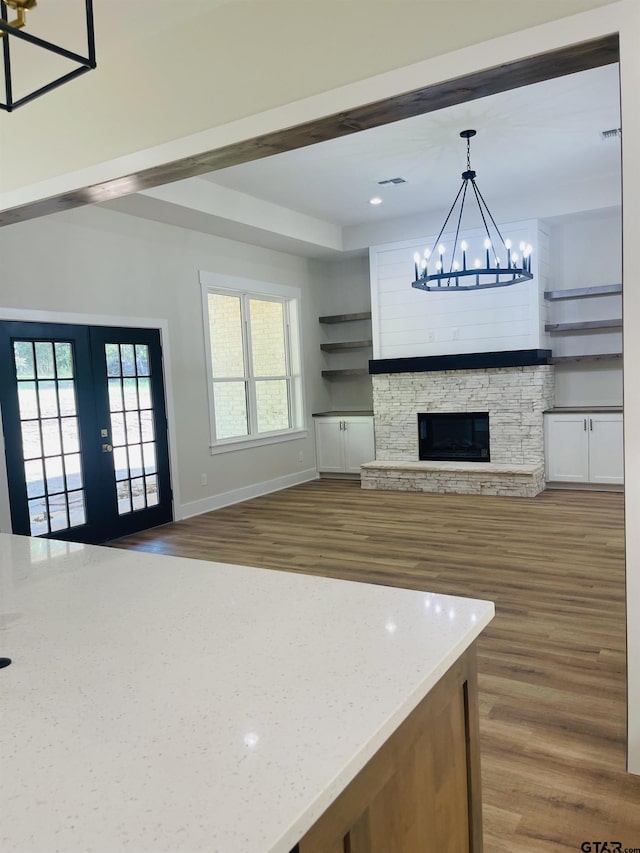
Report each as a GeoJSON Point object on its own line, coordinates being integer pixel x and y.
{"type": "Point", "coordinates": [552, 663]}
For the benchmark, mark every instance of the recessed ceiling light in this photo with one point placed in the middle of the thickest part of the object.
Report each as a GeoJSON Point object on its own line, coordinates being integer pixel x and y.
{"type": "Point", "coordinates": [375, 200]}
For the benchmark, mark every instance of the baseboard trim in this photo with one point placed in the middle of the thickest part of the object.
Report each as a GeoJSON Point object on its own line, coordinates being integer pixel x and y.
{"type": "Point", "coordinates": [585, 487]}
{"type": "Point", "coordinates": [338, 475]}
{"type": "Point", "coordinates": [236, 496]}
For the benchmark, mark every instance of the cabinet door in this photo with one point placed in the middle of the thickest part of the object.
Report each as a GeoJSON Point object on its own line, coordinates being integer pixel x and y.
{"type": "Point", "coordinates": [567, 448]}
{"type": "Point", "coordinates": [359, 444]}
{"type": "Point", "coordinates": [329, 444]}
{"type": "Point", "coordinates": [606, 463]}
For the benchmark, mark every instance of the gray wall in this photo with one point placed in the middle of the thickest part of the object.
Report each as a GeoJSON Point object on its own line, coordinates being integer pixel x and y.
{"type": "Point", "coordinates": [98, 262]}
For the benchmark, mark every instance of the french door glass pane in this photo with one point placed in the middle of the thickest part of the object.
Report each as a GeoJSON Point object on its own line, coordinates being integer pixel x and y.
{"type": "Point", "coordinates": [225, 326]}
{"type": "Point", "coordinates": [49, 428]}
{"type": "Point", "coordinates": [272, 405]}
{"type": "Point", "coordinates": [230, 402]}
{"type": "Point", "coordinates": [130, 410]}
{"type": "Point", "coordinates": [267, 338]}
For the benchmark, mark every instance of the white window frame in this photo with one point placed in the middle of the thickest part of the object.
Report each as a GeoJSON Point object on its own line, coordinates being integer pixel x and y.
{"type": "Point", "coordinates": [291, 300]}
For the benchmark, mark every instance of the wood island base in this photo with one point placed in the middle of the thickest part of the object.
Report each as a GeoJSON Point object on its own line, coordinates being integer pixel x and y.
{"type": "Point", "coordinates": [420, 793]}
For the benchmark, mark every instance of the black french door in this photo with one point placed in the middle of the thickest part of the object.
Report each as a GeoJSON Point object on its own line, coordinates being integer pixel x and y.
{"type": "Point", "coordinates": [85, 430]}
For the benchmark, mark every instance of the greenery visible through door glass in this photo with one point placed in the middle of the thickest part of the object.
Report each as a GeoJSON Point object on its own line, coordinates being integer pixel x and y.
{"type": "Point", "coordinates": [23, 356]}
{"type": "Point", "coordinates": [112, 354]}
{"type": "Point", "coordinates": [44, 360]}
{"type": "Point", "coordinates": [64, 360]}
{"type": "Point", "coordinates": [142, 359]}
{"type": "Point", "coordinates": [128, 360]}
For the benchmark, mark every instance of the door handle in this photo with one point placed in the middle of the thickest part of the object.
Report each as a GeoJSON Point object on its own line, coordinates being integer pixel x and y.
{"type": "Point", "coordinates": [591, 424]}
{"type": "Point", "coordinates": [585, 424]}
{"type": "Point", "coordinates": [107, 448]}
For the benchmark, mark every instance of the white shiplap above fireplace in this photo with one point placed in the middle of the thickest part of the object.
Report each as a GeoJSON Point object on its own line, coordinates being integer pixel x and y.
{"type": "Point", "coordinates": [407, 322]}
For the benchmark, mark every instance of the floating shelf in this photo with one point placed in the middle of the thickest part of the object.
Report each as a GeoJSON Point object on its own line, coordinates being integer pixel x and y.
{"type": "Point", "coordinates": [345, 318]}
{"type": "Point", "coordinates": [585, 326]}
{"type": "Point", "coordinates": [582, 292]}
{"type": "Point", "coordinates": [345, 345]}
{"type": "Point", "coordinates": [567, 359]}
{"type": "Point", "coordinates": [349, 371]}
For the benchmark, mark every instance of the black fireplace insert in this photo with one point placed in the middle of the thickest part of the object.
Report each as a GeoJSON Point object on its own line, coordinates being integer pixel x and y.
{"type": "Point", "coordinates": [454, 436]}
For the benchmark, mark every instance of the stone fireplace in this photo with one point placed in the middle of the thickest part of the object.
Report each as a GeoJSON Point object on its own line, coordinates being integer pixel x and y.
{"type": "Point", "coordinates": [512, 388]}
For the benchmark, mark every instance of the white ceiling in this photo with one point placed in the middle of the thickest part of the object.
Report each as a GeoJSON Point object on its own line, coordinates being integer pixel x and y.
{"type": "Point", "coordinates": [536, 142]}
{"type": "Point", "coordinates": [119, 25]}
{"type": "Point", "coordinates": [537, 135]}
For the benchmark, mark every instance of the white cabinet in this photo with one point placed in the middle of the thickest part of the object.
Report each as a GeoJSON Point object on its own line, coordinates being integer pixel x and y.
{"type": "Point", "coordinates": [344, 443]}
{"type": "Point", "coordinates": [584, 447]}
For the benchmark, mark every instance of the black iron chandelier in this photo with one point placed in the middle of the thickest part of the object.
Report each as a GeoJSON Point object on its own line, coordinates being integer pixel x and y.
{"type": "Point", "coordinates": [14, 29]}
{"type": "Point", "coordinates": [494, 263]}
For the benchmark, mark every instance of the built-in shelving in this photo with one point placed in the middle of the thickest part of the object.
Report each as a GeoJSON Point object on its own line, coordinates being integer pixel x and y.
{"type": "Point", "coordinates": [345, 318]}
{"type": "Point", "coordinates": [568, 359]}
{"type": "Point", "coordinates": [346, 345]}
{"type": "Point", "coordinates": [582, 292]}
{"type": "Point", "coordinates": [584, 326]}
{"type": "Point", "coordinates": [347, 371]}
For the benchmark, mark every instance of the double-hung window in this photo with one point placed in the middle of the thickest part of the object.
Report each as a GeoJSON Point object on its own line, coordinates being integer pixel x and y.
{"type": "Point", "coordinates": [253, 355]}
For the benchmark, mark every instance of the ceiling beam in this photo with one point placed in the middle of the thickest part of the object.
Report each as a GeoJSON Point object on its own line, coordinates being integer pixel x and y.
{"type": "Point", "coordinates": [513, 75]}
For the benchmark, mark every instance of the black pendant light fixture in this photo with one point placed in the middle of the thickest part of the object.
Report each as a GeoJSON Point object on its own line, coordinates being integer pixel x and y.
{"type": "Point", "coordinates": [454, 267]}
{"type": "Point", "coordinates": [15, 29]}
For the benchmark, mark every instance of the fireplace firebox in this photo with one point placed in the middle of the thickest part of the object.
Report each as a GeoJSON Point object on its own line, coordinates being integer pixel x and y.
{"type": "Point", "coordinates": [454, 436]}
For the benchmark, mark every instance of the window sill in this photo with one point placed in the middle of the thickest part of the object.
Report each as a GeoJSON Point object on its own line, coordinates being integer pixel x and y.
{"type": "Point", "coordinates": [258, 441]}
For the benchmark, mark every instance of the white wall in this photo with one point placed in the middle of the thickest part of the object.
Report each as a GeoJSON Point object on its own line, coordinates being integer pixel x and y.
{"type": "Point", "coordinates": [99, 262]}
{"type": "Point", "coordinates": [586, 251]}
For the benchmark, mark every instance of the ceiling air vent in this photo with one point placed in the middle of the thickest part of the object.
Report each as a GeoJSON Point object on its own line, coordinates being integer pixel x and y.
{"type": "Point", "coordinates": [614, 133]}
{"type": "Point", "coordinates": [392, 181]}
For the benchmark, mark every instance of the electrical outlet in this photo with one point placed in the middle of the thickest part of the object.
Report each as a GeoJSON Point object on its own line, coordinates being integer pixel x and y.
{"type": "Point", "coordinates": [301, 456]}
{"type": "Point", "coordinates": [203, 479]}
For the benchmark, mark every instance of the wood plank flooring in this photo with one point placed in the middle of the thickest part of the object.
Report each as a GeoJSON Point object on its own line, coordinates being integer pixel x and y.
{"type": "Point", "coordinates": [552, 663]}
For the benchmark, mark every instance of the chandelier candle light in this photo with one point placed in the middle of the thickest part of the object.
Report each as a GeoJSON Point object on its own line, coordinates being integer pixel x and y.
{"type": "Point", "coordinates": [431, 274]}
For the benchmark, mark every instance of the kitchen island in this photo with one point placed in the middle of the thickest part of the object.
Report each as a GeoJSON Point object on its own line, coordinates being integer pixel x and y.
{"type": "Point", "coordinates": [165, 704]}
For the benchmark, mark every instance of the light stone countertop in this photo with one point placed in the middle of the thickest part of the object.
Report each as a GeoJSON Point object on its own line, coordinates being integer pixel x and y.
{"type": "Point", "coordinates": [164, 704]}
{"type": "Point", "coordinates": [343, 414]}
